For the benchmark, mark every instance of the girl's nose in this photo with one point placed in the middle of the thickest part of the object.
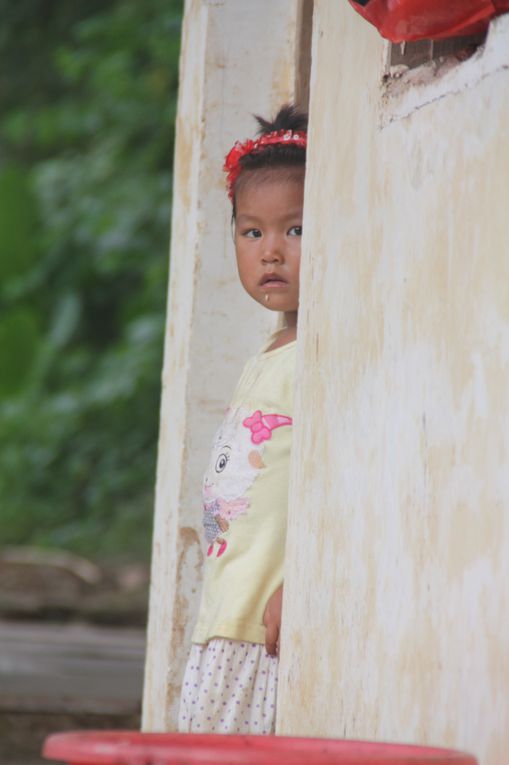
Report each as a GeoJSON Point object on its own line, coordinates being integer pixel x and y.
{"type": "Point", "coordinates": [272, 252]}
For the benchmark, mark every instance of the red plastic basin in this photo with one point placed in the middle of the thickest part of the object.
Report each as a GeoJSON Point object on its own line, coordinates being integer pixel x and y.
{"type": "Point", "coordinates": [134, 748]}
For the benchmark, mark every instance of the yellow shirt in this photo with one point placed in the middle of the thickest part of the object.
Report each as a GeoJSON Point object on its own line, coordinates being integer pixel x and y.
{"type": "Point", "coordinates": [245, 496]}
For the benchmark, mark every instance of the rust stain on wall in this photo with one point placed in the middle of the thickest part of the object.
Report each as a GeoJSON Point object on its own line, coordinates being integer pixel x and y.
{"type": "Point", "coordinates": [189, 546]}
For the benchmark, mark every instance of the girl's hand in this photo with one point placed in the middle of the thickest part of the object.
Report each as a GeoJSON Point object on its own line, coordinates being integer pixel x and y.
{"type": "Point", "coordinates": [272, 621]}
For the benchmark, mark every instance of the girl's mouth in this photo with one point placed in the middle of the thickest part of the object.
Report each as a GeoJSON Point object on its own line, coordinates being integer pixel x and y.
{"type": "Point", "coordinates": [272, 281]}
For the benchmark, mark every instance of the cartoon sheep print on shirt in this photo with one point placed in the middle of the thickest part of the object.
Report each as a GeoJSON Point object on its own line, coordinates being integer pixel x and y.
{"type": "Point", "coordinates": [237, 458]}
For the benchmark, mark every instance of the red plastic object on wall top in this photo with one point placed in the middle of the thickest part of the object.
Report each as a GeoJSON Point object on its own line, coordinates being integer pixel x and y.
{"type": "Point", "coordinates": [133, 748]}
{"type": "Point", "coordinates": [407, 20]}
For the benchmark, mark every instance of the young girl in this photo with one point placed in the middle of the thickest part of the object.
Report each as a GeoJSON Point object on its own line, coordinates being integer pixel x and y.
{"type": "Point", "coordinates": [230, 681]}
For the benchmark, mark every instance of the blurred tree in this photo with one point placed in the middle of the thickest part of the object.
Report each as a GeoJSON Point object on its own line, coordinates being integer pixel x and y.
{"type": "Point", "coordinates": [88, 94]}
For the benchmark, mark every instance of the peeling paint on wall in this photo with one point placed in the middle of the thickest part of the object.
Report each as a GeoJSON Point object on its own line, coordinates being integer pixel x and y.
{"type": "Point", "coordinates": [421, 86]}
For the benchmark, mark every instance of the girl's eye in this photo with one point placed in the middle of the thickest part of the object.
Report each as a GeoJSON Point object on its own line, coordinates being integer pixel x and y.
{"type": "Point", "coordinates": [222, 462]}
{"type": "Point", "coordinates": [295, 231]}
{"type": "Point", "coordinates": [253, 233]}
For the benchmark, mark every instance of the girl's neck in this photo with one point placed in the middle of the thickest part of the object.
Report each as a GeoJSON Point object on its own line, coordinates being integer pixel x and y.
{"type": "Point", "coordinates": [290, 318]}
{"type": "Point", "coordinates": [283, 337]}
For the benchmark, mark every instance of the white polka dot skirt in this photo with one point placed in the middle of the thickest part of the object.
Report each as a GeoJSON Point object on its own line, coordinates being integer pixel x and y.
{"type": "Point", "coordinates": [229, 687]}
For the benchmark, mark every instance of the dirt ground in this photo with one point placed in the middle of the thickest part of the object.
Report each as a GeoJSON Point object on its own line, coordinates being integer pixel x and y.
{"type": "Point", "coordinates": [22, 734]}
{"type": "Point", "coordinates": [71, 648]}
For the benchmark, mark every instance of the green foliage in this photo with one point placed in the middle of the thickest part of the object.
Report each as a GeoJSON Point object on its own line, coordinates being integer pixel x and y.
{"type": "Point", "coordinates": [86, 140]}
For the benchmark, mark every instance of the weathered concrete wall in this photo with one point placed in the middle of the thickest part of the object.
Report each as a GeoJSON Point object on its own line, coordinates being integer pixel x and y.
{"type": "Point", "coordinates": [238, 57]}
{"type": "Point", "coordinates": [396, 613]}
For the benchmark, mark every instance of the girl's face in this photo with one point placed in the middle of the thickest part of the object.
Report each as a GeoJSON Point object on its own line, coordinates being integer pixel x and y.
{"type": "Point", "coordinates": [268, 230]}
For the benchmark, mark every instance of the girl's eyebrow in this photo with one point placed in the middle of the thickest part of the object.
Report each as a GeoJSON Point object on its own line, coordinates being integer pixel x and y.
{"type": "Point", "coordinates": [296, 213]}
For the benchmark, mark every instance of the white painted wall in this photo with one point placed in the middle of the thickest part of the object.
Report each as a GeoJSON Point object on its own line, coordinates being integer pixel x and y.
{"type": "Point", "coordinates": [238, 58]}
{"type": "Point", "coordinates": [396, 613]}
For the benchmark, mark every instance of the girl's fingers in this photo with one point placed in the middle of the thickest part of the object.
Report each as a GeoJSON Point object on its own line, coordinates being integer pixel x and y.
{"type": "Point", "coordinates": [272, 639]}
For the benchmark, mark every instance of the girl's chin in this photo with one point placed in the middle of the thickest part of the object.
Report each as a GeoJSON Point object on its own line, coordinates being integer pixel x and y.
{"type": "Point", "coordinates": [277, 302]}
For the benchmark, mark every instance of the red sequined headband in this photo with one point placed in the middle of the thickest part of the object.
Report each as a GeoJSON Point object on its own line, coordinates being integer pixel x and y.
{"type": "Point", "coordinates": [232, 166]}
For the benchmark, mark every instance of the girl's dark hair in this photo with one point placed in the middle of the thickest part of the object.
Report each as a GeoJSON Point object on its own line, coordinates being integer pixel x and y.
{"type": "Point", "coordinates": [287, 118]}
{"type": "Point", "coordinates": [284, 156]}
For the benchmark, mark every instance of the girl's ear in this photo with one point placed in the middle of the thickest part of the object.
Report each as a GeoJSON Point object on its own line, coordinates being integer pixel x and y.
{"type": "Point", "coordinates": [255, 460]}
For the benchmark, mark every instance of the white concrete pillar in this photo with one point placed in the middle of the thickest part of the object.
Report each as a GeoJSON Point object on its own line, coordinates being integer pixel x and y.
{"type": "Point", "coordinates": [396, 609]}
{"type": "Point", "coordinates": [238, 58]}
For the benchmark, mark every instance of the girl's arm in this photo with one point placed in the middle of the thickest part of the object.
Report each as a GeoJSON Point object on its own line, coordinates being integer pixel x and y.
{"type": "Point", "coordinates": [272, 621]}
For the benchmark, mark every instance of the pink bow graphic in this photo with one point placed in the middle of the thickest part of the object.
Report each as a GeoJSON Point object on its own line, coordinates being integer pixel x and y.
{"type": "Point", "coordinates": [262, 425]}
